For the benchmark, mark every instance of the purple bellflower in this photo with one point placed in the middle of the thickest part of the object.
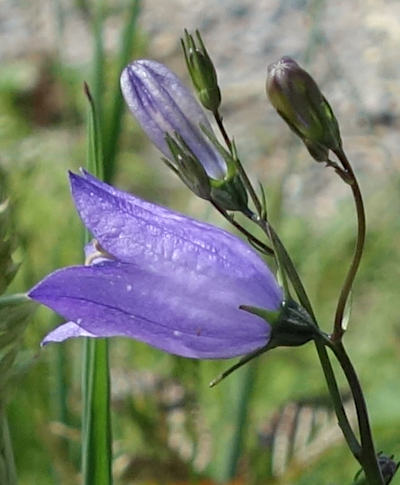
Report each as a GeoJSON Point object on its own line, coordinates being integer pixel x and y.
{"type": "Point", "coordinates": [163, 105]}
{"type": "Point", "coordinates": [159, 277]}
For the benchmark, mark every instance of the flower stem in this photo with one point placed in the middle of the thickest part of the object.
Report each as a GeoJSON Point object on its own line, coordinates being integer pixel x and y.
{"type": "Point", "coordinates": [338, 330]}
{"type": "Point", "coordinates": [320, 347]}
{"type": "Point", "coordinates": [368, 457]}
{"type": "Point", "coordinates": [238, 163]}
{"type": "Point", "coordinates": [259, 244]}
{"type": "Point", "coordinates": [218, 119]}
{"type": "Point", "coordinates": [13, 299]}
{"type": "Point", "coordinates": [286, 262]}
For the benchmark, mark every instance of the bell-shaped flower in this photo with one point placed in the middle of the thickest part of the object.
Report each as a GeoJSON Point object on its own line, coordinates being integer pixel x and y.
{"type": "Point", "coordinates": [163, 105]}
{"type": "Point", "coordinates": [159, 277]}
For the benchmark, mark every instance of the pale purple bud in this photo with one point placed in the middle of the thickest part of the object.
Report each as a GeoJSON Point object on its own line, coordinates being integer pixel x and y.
{"type": "Point", "coordinates": [162, 104]}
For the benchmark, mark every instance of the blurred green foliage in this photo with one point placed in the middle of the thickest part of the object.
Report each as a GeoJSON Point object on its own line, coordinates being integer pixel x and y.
{"type": "Point", "coordinates": [169, 427]}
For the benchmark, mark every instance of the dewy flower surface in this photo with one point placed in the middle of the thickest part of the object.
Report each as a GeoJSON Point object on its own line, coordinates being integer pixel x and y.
{"type": "Point", "coordinates": [162, 104]}
{"type": "Point", "coordinates": [167, 280]}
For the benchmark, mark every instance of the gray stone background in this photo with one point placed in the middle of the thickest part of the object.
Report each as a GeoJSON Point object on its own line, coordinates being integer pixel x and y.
{"type": "Point", "coordinates": [350, 46]}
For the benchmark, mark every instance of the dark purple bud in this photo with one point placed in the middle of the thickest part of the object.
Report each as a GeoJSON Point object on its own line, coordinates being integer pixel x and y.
{"type": "Point", "coordinates": [297, 98]}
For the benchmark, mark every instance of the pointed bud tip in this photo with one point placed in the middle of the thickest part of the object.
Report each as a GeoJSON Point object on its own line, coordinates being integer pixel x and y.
{"type": "Point", "coordinates": [202, 71]}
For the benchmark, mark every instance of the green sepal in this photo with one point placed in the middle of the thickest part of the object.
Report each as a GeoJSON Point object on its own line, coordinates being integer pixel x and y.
{"type": "Point", "coordinates": [270, 316]}
{"type": "Point", "coordinates": [291, 325]}
{"type": "Point", "coordinates": [229, 192]}
{"type": "Point", "coordinates": [202, 71]}
{"type": "Point", "coordinates": [188, 167]}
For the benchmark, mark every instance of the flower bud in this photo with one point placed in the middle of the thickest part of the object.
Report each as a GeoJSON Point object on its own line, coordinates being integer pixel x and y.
{"type": "Point", "coordinates": [163, 105]}
{"type": "Point", "coordinates": [298, 100]}
{"type": "Point", "coordinates": [202, 71]}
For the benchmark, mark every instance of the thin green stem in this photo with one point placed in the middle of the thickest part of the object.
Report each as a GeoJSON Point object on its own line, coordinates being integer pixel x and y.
{"type": "Point", "coordinates": [321, 350]}
{"type": "Point", "coordinates": [279, 256]}
{"type": "Point", "coordinates": [290, 270]}
{"type": "Point", "coordinates": [326, 365]}
{"type": "Point", "coordinates": [368, 458]}
{"type": "Point", "coordinates": [239, 166]}
{"type": "Point", "coordinates": [338, 330]}
{"type": "Point", "coordinates": [220, 123]}
{"type": "Point", "coordinates": [266, 249]}
{"type": "Point", "coordinates": [336, 397]}
{"type": "Point", "coordinates": [13, 299]}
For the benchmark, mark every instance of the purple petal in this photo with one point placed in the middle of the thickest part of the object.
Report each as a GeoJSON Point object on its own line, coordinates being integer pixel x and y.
{"type": "Point", "coordinates": [64, 332]}
{"type": "Point", "coordinates": [182, 311]}
{"type": "Point", "coordinates": [162, 104]}
{"type": "Point", "coordinates": [136, 231]}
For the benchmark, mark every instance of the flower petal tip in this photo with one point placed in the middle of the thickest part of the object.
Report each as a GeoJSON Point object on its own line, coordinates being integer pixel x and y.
{"type": "Point", "coordinates": [64, 332]}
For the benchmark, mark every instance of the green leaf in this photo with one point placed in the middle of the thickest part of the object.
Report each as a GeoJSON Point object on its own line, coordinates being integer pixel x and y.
{"type": "Point", "coordinates": [97, 450]}
{"type": "Point", "coordinates": [96, 419]}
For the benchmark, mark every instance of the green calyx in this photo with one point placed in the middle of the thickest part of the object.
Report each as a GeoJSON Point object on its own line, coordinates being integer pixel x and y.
{"type": "Point", "coordinates": [202, 71]}
{"type": "Point", "coordinates": [291, 325]}
{"type": "Point", "coordinates": [188, 167]}
{"type": "Point", "coordinates": [229, 193]}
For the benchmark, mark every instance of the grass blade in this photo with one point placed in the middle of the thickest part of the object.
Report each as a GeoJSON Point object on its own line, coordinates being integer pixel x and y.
{"type": "Point", "coordinates": [96, 418]}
